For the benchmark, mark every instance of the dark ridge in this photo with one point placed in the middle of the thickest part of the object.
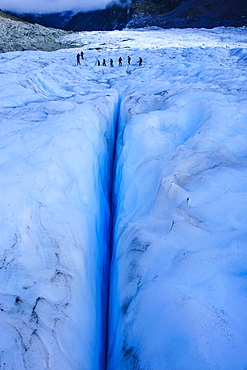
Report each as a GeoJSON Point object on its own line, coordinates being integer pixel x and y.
{"type": "Point", "coordinates": [190, 13]}
{"type": "Point", "coordinates": [54, 20]}
{"type": "Point", "coordinates": [9, 16]}
{"type": "Point", "coordinates": [146, 13]}
{"type": "Point", "coordinates": [163, 13]}
{"type": "Point", "coordinates": [155, 7]}
{"type": "Point", "coordinates": [111, 18]}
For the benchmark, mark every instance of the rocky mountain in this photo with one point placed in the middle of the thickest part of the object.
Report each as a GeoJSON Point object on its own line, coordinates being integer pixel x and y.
{"type": "Point", "coordinates": [112, 18]}
{"type": "Point", "coordinates": [189, 13]}
{"type": "Point", "coordinates": [165, 14]}
{"type": "Point", "coordinates": [20, 35]}
{"type": "Point", "coordinates": [146, 13]}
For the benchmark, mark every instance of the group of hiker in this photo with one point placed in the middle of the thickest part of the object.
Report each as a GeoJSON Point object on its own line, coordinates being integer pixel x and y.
{"type": "Point", "coordinates": [80, 56]}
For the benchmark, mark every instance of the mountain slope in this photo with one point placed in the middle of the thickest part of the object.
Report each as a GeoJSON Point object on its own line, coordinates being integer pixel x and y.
{"type": "Point", "coordinates": [20, 35]}
{"type": "Point", "coordinates": [111, 18]}
{"type": "Point", "coordinates": [13, 17]}
{"type": "Point", "coordinates": [166, 14]}
{"type": "Point", "coordinates": [191, 13]}
{"type": "Point", "coordinates": [161, 13]}
{"type": "Point", "coordinates": [54, 20]}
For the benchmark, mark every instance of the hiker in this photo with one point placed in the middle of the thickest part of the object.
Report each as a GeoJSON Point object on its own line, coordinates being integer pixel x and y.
{"type": "Point", "coordinates": [140, 61]}
{"type": "Point", "coordinates": [120, 61]}
{"type": "Point", "coordinates": [111, 62]}
{"type": "Point", "coordinates": [78, 59]}
{"type": "Point", "coordinates": [129, 59]}
{"type": "Point", "coordinates": [98, 62]}
{"type": "Point", "coordinates": [104, 63]}
{"type": "Point", "coordinates": [82, 55]}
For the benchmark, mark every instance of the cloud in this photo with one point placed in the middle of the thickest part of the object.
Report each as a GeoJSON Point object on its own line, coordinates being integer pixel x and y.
{"type": "Point", "coordinates": [51, 6]}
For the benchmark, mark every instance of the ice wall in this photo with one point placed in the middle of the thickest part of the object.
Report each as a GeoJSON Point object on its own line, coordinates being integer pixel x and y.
{"type": "Point", "coordinates": [179, 261]}
{"type": "Point", "coordinates": [55, 163]}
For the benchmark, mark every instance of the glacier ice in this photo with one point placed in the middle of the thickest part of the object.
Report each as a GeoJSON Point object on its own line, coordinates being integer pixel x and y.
{"type": "Point", "coordinates": [141, 167]}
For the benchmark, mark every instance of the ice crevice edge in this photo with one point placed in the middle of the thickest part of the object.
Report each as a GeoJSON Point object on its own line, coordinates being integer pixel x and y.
{"type": "Point", "coordinates": [56, 233]}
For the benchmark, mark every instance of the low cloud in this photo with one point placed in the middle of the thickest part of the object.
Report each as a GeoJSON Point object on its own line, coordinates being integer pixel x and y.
{"type": "Point", "coordinates": [51, 6]}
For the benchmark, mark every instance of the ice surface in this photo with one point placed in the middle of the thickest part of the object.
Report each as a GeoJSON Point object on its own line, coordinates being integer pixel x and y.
{"type": "Point", "coordinates": [56, 146]}
{"type": "Point", "coordinates": [179, 262]}
{"type": "Point", "coordinates": [178, 271]}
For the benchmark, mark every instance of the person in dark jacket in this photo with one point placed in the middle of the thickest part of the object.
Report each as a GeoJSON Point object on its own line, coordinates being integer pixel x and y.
{"type": "Point", "coordinates": [78, 59]}
{"type": "Point", "coordinates": [140, 61]}
{"type": "Point", "coordinates": [104, 62]}
{"type": "Point", "coordinates": [111, 62]}
{"type": "Point", "coordinates": [82, 55]}
{"type": "Point", "coordinates": [120, 61]}
{"type": "Point", "coordinates": [129, 59]}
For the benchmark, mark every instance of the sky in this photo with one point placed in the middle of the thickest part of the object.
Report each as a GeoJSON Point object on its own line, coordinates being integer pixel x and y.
{"type": "Point", "coordinates": [51, 6]}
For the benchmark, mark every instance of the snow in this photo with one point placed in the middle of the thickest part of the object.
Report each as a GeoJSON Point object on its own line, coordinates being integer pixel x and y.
{"type": "Point", "coordinates": [162, 145]}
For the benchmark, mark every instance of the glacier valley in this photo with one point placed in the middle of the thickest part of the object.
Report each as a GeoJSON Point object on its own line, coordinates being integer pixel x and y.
{"type": "Point", "coordinates": [123, 195]}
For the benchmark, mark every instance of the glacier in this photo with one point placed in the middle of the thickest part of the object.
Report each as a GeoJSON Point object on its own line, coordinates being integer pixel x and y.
{"type": "Point", "coordinates": [21, 35]}
{"type": "Point", "coordinates": [123, 203]}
